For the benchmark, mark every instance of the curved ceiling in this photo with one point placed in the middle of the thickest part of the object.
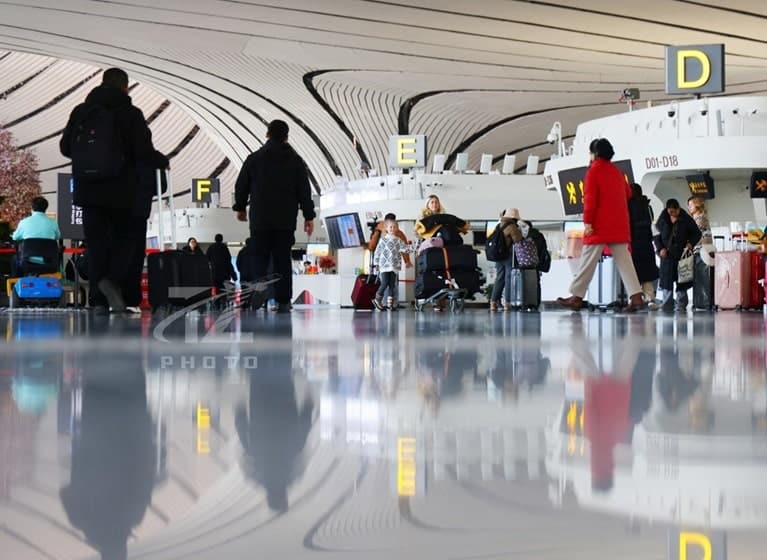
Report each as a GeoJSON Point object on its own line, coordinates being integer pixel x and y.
{"type": "Point", "coordinates": [480, 77]}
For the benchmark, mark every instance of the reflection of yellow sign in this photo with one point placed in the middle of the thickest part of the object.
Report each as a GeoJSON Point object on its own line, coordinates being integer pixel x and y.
{"type": "Point", "coordinates": [681, 62]}
{"type": "Point", "coordinates": [574, 420]}
{"type": "Point", "coordinates": [406, 466]}
{"type": "Point", "coordinates": [203, 429]}
{"type": "Point", "coordinates": [697, 540]}
{"type": "Point", "coordinates": [406, 147]}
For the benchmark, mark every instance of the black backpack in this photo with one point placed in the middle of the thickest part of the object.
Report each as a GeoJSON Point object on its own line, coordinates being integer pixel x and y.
{"type": "Point", "coordinates": [96, 150]}
{"type": "Point", "coordinates": [496, 249]}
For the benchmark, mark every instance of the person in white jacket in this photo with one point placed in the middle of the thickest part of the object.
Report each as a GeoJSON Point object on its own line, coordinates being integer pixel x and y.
{"type": "Point", "coordinates": [388, 260]}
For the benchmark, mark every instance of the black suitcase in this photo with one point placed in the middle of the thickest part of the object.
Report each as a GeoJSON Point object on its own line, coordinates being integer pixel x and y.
{"type": "Point", "coordinates": [178, 279]}
{"type": "Point", "coordinates": [430, 282]}
{"type": "Point", "coordinates": [460, 257]}
{"type": "Point", "coordinates": [703, 285]}
{"type": "Point", "coordinates": [525, 288]}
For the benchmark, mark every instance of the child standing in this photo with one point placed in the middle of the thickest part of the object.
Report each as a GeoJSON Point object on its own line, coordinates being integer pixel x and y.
{"type": "Point", "coordinates": [388, 260]}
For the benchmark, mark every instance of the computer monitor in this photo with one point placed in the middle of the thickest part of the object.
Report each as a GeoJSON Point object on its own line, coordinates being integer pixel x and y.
{"type": "Point", "coordinates": [345, 231]}
{"type": "Point", "coordinates": [490, 227]}
{"type": "Point", "coordinates": [317, 250]}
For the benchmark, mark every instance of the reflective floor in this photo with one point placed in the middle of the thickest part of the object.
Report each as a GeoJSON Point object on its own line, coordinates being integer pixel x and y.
{"type": "Point", "coordinates": [416, 436]}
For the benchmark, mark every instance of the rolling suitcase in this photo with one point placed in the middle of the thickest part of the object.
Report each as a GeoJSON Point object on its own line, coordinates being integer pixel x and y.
{"type": "Point", "coordinates": [364, 291]}
{"type": "Point", "coordinates": [178, 279]}
{"type": "Point", "coordinates": [731, 276]}
{"type": "Point", "coordinates": [703, 285]}
{"type": "Point", "coordinates": [175, 279]}
{"type": "Point", "coordinates": [756, 264]}
{"type": "Point", "coordinates": [525, 288]}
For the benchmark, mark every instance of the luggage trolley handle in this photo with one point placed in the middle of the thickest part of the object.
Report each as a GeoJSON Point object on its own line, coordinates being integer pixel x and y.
{"type": "Point", "coordinates": [160, 230]}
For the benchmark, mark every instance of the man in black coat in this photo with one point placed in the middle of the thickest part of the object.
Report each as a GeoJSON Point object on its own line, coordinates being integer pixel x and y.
{"type": "Point", "coordinates": [275, 183]}
{"type": "Point", "coordinates": [677, 231]}
{"type": "Point", "coordinates": [110, 200]}
{"type": "Point", "coordinates": [221, 261]}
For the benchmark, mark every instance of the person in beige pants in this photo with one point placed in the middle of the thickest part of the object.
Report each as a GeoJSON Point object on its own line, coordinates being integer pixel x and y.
{"type": "Point", "coordinates": [606, 223]}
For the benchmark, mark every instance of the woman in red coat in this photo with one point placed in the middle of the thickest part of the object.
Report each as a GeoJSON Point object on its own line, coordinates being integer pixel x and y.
{"type": "Point", "coordinates": [606, 223]}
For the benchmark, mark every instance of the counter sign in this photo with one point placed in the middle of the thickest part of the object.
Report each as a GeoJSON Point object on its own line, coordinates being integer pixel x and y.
{"type": "Point", "coordinates": [407, 151]}
{"type": "Point", "coordinates": [695, 69]}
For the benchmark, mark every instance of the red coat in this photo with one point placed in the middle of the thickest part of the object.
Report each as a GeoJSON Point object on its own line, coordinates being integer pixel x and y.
{"type": "Point", "coordinates": [606, 411]}
{"type": "Point", "coordinates": [605, 204]}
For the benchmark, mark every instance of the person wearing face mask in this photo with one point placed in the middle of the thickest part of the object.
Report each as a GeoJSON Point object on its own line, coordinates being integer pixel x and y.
{"type": "Point", "coordinates": [677, 231]}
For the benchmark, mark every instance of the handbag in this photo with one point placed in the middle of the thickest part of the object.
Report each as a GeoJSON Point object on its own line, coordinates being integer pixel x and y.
{"type": "Point", "coordinates": [526, 254]}
{"type": "Point", "coordinates": [431, 243]}
{"type": "Point", "coordinates": [685, 270]}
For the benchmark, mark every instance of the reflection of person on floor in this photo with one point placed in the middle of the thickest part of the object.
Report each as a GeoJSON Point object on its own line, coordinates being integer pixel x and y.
{"type": "Point", "coordinates": [607, 395]}
{"type": "Point", "coordinates": [273, 430]}
{"type": "Point", "coordinates": [113, 458]}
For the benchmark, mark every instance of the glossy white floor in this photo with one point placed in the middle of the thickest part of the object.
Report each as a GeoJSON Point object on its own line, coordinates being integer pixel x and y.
{"type": "Point", "coordinates": [334, 434]}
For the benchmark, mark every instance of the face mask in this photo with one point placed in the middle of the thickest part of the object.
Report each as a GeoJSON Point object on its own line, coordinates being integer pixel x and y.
{"type": "Point", "coordinates": [524, 229]}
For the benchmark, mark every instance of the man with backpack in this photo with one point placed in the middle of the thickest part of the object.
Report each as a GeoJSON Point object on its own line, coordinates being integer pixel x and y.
{"type": "Point", "coordinates": [107, 139]}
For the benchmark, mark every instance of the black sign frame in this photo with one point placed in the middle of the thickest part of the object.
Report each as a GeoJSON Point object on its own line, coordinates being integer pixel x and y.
{"type": "Point", "coordinates": [757, 186]}
{"type": "Point", "coordinates": [571, 184]}
{"type": "Point", "coordinates": [68, 216]}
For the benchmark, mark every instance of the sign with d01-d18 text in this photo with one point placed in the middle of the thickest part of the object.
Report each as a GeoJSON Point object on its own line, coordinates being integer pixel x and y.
{"type": "Point", "coordinates": [571, 183]}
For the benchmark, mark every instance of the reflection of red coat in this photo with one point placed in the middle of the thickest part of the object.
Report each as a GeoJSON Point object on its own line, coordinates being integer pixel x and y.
{"type": "Point", "coordinates": [605, 204]}
{"type": "Point", "coordinates": [606, 410]}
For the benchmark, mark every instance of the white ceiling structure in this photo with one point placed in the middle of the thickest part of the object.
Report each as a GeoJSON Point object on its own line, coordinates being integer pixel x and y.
{"type": "Point", "coordinates": [489, 76]}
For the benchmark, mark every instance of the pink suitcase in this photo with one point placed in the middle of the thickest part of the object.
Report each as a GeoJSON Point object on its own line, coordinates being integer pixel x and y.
{"type": "Point", "coordinates": [732, 289]}
{"type": "Point", "coordinates": [756, 298]}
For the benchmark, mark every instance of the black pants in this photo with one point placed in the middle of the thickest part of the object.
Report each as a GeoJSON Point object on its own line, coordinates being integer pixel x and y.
{"type": "Point", "coordinates": [131, 284]}
{"type": "Point", "coordinates": [110, 241]}
{"type": "Point", "coordinates": [274, 245]}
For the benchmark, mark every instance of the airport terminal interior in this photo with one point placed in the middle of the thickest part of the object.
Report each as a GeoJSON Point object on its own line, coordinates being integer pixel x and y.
{"type": "Point", "coordinates": [444, 428]}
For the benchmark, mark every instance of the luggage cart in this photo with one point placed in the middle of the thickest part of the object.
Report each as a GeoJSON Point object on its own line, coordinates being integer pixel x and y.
{"type": "Point", "coordinates": [452, 293]}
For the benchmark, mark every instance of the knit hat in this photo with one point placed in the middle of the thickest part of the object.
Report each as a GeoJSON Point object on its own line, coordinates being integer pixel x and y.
{"type": "Point", "coordinates": [510, 214]}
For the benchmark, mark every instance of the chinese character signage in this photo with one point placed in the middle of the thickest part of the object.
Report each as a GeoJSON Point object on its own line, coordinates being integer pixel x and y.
{"type": "Point", "coordinates": [571, 185]}
{"type": "Point", "coordinates": [69, 216]}
{"type": "Point", "coordinates": [701, 185]}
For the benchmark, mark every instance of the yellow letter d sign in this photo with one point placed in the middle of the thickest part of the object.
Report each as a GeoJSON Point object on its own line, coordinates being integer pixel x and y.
{"type": "Point", "coordinates": [695, 69]}
{"type": "Point", "coordinates": [695, 545]}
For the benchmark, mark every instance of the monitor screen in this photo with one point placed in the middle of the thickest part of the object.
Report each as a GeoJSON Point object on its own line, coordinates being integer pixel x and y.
{"type": "Point", "coordinates": [345, 231]}
{"type": "Point", "coordinates": [490, 227]}
{"type": "Point", "coordinates": [153, 242]}
{"type": "Point", "coordinates": [317, 250]}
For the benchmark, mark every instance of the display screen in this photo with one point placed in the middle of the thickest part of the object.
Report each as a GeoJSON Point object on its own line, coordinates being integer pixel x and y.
{"type": "Point", "coordinates": [317, 250]}
{"type": "Point", "coordinates": [344, 231]}
{"type": "Point", "coordinates": [490, 227]}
